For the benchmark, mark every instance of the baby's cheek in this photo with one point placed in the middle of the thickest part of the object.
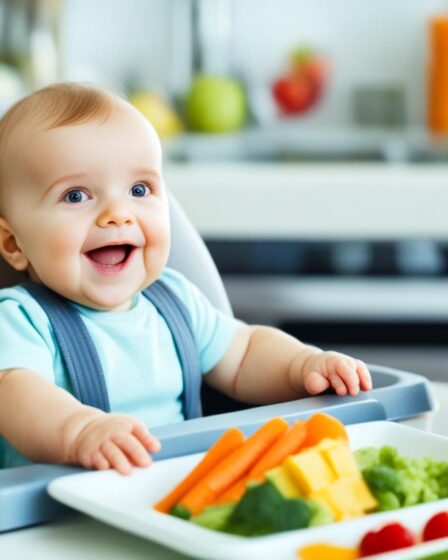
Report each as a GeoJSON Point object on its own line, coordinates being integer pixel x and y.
{"type": "Point", "coordinates": [66, 234]}
{"type": "Point", "coordinates": [64, 246]}
{"type": "Point", "coordinates": [60, 253]}
{"type": "Point", "coordinates": [158, 235]}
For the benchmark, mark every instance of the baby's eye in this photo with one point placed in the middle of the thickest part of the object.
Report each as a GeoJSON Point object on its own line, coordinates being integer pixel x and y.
{"type": "Point", "coordinates": [75, 196]}
{"type": "Point", "coordinates": [140, 190]}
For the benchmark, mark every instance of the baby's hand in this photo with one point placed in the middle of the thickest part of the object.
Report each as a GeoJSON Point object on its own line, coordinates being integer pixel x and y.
{"type": "Point", "coordinates": [344, 374]}
{"type": "Point", "coordinates": [114, 441]}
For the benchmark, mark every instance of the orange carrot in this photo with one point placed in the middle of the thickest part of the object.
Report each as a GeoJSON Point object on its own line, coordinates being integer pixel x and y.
{"type": "Point", "coordinates": [287, 444]}
{"type": "Point", "coordinates": [233, 467]}
{"type": "Point", "coordinates": [321, 426]}
{"type": "Point", "coordinates": [234, 493]}
{"type": "Point", "coordinates": [232, 439]}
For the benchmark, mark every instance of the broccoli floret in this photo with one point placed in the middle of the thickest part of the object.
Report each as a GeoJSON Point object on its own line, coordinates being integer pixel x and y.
{"type": "Point", "coordinates": [389, 456]}
{"type": "Point", "coordinates": [263, 510]}
{"type": "Point", "coordinates": [398, 481]}
{"type": "Point", "coordinates": [383, 479]}
{"type": "Point", "coordinates": [442, 481]}
{"type": "Point", "coordinates": [387, 500]}
{"type": "Point", "coordinates": [367, 457]}
{"type": "Point", "coordinates": [386, 485]}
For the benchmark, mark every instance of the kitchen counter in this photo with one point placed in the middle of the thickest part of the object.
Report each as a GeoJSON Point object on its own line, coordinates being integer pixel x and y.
{"type": "Point", "coordinates": [313, 201]}
{"type": "Point", "coordinates": [82, 537]}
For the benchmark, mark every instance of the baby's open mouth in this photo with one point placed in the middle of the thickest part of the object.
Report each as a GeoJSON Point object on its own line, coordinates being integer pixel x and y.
{"type": "Point", "coordinates": [111, 255]}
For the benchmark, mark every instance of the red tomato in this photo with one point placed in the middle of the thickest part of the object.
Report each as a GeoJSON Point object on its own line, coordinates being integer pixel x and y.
{"type": "Point", "coordinates": [294, 94]}
{"type": "Point", "coordinates": [436, 527]}
{"type": "Point", "coordinates": [314, 69]}
{"type": "Point", "coordinates": [392, 536]}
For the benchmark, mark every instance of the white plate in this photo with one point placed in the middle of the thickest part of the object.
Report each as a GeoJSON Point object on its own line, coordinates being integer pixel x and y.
{"type": "Point", "coordinates": [126, 503]}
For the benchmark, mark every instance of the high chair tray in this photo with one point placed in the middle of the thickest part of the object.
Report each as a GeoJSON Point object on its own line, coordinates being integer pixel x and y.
{"type": "Point", "coordinates": [126, 503]}
{"type": "Point", "coordinates": [396, 395]}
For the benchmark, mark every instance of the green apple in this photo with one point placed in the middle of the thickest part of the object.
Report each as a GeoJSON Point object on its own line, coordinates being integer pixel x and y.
{"type": "Point", "coordinates": [215, 104]}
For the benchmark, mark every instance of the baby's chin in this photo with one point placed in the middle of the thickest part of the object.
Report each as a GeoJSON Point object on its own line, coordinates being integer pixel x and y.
{"type": "Point", "coordinates": [105, 296]}
{"type": "Point", "coordinates": [111, 298]}
{"type": "Point", "coordinates": [106, 301]}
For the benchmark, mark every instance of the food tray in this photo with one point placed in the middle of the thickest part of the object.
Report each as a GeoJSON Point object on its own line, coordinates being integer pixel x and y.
{"type": "Point", "coordinates": [125, 502]}
{"type": "Point", "coordinates": [396, 395]}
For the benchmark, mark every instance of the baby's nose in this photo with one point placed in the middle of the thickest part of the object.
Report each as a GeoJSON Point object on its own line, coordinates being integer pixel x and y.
{"type": "Point", "coordinates": [115, 215]}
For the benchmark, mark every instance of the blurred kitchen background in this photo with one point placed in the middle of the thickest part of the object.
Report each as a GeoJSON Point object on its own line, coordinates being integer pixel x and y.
{"type": "Point", "coordinates": [307, 141]}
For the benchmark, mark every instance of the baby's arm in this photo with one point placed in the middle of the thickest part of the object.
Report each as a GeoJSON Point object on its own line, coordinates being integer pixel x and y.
{"type": "Point", "coordinates": [47, 424]}
{"type": "Point", "coordinates": [264, 364]}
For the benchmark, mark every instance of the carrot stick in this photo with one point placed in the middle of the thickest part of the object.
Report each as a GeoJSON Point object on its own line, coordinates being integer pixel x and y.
{"type": "Point", "coordinates": [234, 493]}
{"type": "Point", "coordinates": [226, 444]}
{"type": "Point", "coordinates": [320, 426]}
{"type": "Point", "coordinates": [287, 444]}
{"type": "Point", "coordinates": [233, 467]}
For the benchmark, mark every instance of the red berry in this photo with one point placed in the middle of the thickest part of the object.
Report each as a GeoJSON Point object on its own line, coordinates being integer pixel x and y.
{"type": "Point", "coordinates": [436, 527]}
{"type": "Point", "coordinates": [394, 536]}
{"type": "Point", "coordinates": [390, 537]}
{"type": "Point", "coordinates": [368, 544]}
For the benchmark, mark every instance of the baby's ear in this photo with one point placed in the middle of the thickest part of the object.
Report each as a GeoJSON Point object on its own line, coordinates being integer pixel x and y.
{"type": "Point", "coordinates": [9, 248]}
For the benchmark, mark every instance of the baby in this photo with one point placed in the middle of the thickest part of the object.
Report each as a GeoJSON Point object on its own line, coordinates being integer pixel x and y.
{"type": "Point", "coordinates": [84, 211]}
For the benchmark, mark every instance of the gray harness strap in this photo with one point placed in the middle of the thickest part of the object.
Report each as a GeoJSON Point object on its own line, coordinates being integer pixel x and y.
{"type": "Point", "coordinates": [77, 349]}
{"type": "Point", "coordinates": [81, 359]}
{"type": "Point", "coordinates": [179, 323]}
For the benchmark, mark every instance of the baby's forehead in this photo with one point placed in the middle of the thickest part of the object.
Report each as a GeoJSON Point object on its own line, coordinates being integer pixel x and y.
{"type": "Point", "coordinates": [124, 130]}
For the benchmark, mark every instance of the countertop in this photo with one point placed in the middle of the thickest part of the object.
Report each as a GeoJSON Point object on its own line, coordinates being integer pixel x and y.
{"type": "Point", "coordinates": [81, 537]}
{"type": "Point", "coordinates": [313, 201]}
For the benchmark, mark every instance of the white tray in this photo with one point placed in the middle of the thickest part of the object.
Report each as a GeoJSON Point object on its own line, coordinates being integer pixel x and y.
{"type": "Point", "coordinates": [125, 502]}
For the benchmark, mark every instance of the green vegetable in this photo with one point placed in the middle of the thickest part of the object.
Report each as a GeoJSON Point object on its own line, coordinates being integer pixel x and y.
{"type": "Point", "coordinates": [387, 500]}
{"type": "Point", "coordinates": [438, 556]}
{"type": "Point", "coordinates": [384, 480]}
{"type": "Point", "coordinates": [180, 511]}
{"type": "Point", "coordinates": [321, 514]}
{"type": "Point", "coordinates": [367, 457]}
{"type": "Point", "coordinates": [214, 517]}
{"type": "Point", "coordinates": [263, 510]}
{"type": "Point", "coordinates": [398, 481]}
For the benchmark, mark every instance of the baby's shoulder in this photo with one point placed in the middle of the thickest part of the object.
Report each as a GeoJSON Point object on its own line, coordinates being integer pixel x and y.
{"type": "Point", "coordinates": [16, 294]}
{"type": "Point", "coordinates": [173, 278]}
{"type": "Point", "coordinates": [180, 285]}
{"type": "Point", "coordinates": [27, 338]}
{"type": "Point", "coordinates": [17, 301]}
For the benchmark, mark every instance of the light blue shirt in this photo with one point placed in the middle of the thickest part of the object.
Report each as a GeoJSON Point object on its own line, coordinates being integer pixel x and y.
{"type": "Point", "coordinates": [135, 347]}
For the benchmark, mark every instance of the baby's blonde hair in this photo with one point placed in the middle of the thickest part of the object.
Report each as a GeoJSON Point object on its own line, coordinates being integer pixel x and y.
{"type": "Point", "coordinates": [57, 105]}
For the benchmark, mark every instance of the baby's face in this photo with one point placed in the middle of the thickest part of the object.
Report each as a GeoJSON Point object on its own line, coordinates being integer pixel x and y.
{"type": "Point", "coordinates": [89, 209]}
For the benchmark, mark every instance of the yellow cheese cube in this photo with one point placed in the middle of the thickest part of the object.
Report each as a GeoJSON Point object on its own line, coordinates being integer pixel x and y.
{"type": "Point", "coordinates": [329, 443]}
{"type": "Point", "coordinates": [323, 496]}
{"type": "Point", "coordinates": [309, 470]}
{"type": "Point", "coordinates": [284, 482]}
{"type": "Point", "coordinates": [341, 498]}
{"type": "Point", "coordinates": [341, 460]}
{"type": "Point", "coordinates": [347, 497]}
{"type": "Point", "coordinates": [363, 495]}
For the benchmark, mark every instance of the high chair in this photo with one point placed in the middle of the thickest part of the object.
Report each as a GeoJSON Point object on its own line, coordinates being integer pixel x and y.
{"type": "Point", "coordinates": [396, 395]}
